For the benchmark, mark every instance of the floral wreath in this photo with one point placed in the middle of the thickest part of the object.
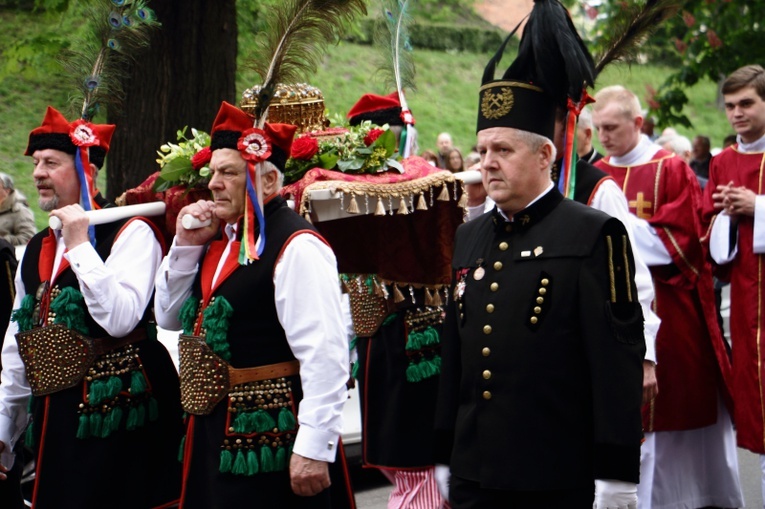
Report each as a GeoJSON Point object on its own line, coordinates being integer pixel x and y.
{"type": "Point", "coordinates": [184, 163]}
{"type": "Point", "coordinates": [365, 148]}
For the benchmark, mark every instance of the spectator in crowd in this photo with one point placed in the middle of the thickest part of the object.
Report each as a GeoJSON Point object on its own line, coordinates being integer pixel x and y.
{"type": "Point", "coordinates": [729, 140]}
{"type": "Point", "coordinates": [701, 156]}
{"type": "Point", "coordinates": [17, 223]}
{"type": "Point", "coordinates": [472, 159]}
{"type": "Point", "coordinates": [430, 157]}
{"type": "Point", "coordinates": [677, 144]}
{"type": "Point", "coordinates": [454, 162]}
{"type": "Point", "coordinates": [444, 145]}
{"type": "Point", "coordinates": [584, 148]}
{"type": "Point", "coordinates": [649, 124]}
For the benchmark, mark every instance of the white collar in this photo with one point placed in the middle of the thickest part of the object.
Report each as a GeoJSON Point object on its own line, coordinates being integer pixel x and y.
{"type": "Point", "coordinates": [641, 154]}
{"type": "Point", "coordinates": [755, 146]}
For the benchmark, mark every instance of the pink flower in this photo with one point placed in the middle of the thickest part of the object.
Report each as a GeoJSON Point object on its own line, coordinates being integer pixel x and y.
{"type": "Point", "coordinates": [713, 39]}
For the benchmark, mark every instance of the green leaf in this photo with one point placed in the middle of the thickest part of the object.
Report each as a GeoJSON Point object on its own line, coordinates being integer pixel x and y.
{"type": "Point", "coordinates": [160, 185]}
{"type": "Point", "coordinates": [173, 170]}
{"type": "Point", "coordinates": [328, 160]}
{"type": "Point", "coordinates": [350, 164]}
{"type": "Point", "coordinates": [387, 140]}
{"type": "Point", "coordinates": [392, 163]}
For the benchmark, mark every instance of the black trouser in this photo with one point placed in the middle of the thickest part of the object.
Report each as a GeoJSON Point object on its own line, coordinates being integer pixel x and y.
{"type": "Point", "coordinates": [464, 494]}
{"type": "Point", "coordinates": [10, 489]}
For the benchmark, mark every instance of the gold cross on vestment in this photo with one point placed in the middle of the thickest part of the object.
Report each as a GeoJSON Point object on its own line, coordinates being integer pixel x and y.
{"type": "Point", "coordinates": [641, 205]}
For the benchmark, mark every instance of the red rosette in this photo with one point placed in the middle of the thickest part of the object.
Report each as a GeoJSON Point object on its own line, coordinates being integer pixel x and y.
{"type": "Point", "coordinates": [82, 134]}
{"type": "Point", "coordinates": [304, 148]}
{"type": "Point", "coordinates": [372, 136]}
{"type": "Point", "coordinates": [254, 145]}
{"type": "Point", "coordinates": [201, 158]}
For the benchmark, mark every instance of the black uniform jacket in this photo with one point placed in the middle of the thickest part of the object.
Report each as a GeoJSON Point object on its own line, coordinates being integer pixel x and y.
{"type": "Point", "coordinates": [542, 351]}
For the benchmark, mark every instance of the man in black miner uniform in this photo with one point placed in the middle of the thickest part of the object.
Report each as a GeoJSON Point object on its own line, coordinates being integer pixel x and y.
{"type": "Point", "coordinates": [541, 385]}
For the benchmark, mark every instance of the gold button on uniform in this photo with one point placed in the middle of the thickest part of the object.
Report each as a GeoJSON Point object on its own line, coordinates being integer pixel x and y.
{"type": "Point", "coordinates": [486, 351]}
{"type": "Point", "coordinates": [489, 308]}
{"type": "Point", "coordinates": [487, 329]}
{"type": "Point", "coordinates": [486, 374]}
{"type": "Point", "coordinates": [534, 319]}
{"type": "Point", "coordinates": [486, 395]}
{"type": "Point", "coordinates": [460, 305]}
{"type": "Point", "coordinates": [503, 246]}
{"type": "Point", "coordinates": [462, 316]}
{"type": "Point", "coordinates": [497, 265]}
{"type": "Point", "coordinates": [540, 300]}
{"type": "Point", "coordinates": [494, 287]}
{"type": "Point", "coordinates": [545, 282]}
{"type": "Point", "coordinates": [537, 309]}
{"type": "Point", "coordinates": [542, 291]}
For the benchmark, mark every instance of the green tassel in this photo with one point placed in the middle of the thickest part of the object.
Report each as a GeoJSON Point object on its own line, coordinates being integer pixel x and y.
{"type": "Point", "coordinates": [280, 459]}
{"type": "Point", "coordinates": [115, 418]}
{"type": "Point", "coordinates": [153, 410]}
{"type": "Point", "coordinates": [113, 387]}
{"type": "Point", "coordinates": [355, 370]}
{"type": "Point", "coordinates": [182, 448]}
{"type": "Point", "coordinates": [240, 464]}
{"type": "Point", "coordinates": [266, 459]}
{"type": "Point", "coordinates": [83, 429]}
{"type": "Point", "coordinates": [263, 421]}
{"type": "Point", "coordinates": [226, 461]}
{"type": "Point", "coordinates": [96, 393]}
{"type": "Point", "coordinates": [286, 420]}
{"type": "Point", "coordinates": [69, 307]}
{"type": "Point", "coordinates": [137, 383]}
{"type": "Point", "coordinates": [151, 331]}
{"type": "Point", "coordinates": [414, 341]}
{"type": "Point", "coordinates": [132, 419]}
{"type": "Point", "coordinates": [188, 314]}
{"type": "Point", "coordinates": [354, 343]}
{"type": "Point", "coordinates": [23, 315]}
{"type": "Point", "coordinates": [431, 337]}
{"type": "Point", "coordinates": [96, 421]}
{"type": "Point", "coordinates": [241, 423]}
{"type": "Point", "coordinates": [141, 415]}
{"type": "Point", "coordinates": [215, 322]}
{"type": "Point", "coordinates": [390, 318]}
{"type": "Point", "coordinates": [29, 435]}
{"type": "Point", "coordinates": [413, 373]}
{"type": "Point", "coordinates": [252, 463]}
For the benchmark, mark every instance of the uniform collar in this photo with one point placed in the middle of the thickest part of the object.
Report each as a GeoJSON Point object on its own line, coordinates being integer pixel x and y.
{"type": "Point", "coordinates": [531, 215]}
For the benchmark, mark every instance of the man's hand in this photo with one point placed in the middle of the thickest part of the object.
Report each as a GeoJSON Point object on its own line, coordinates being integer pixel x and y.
{"type": "Point", "coordinates": [719, 196]}
{"type": "Point", "coordinates": [650, 384]}
{"type": "Point", "coordinates": [739, 201]}
{"type": "Point", "coordinates": [74, 225]}
{"type": "Point", "coordinates": [203, 210]}
{"type": "Point", "coordinates": [611, 494]}
{"type": "Point", "coordinates": [3, 469]}
{"type": "Point", "coordinates": [443, 475]}
{"type": "Point", "coordinates": [308, 477]}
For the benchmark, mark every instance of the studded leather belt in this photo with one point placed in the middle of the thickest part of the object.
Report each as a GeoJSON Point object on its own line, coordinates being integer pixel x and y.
{"type": "Point", "coordinates": [57, 358]}
{"type": "Point", "coordinates": [206, 378]}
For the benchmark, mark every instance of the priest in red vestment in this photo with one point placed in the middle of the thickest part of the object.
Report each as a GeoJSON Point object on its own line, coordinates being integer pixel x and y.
{"type": "Point", "coordinates": [689, 436]}
{"type": "Point", "coordinates": [734, 214]}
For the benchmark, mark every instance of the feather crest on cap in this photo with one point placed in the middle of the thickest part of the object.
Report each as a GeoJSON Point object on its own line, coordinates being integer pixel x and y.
{"type": "Point", "coordinates": [99, 65]}
{"type": "Point", "coordinates": [399, 70]}
{"type": "Point", "coordinates": [293, 44]}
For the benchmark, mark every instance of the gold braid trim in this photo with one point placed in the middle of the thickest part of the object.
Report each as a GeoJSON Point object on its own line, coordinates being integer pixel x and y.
{"type": "Point", "coordinates": [382, 190]}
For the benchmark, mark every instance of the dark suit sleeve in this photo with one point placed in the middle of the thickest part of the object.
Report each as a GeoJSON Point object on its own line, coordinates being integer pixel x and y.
{"type": "Point", "coordinates": [612, 324]}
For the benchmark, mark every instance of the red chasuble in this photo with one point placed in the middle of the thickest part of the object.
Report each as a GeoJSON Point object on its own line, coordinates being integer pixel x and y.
{"type": "Point", "coordinates": [746, 298]}
{"type": "Point", "coordinates": [692, 363]}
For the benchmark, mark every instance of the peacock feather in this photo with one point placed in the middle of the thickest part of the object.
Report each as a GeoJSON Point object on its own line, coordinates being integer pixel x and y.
{"type": "Point", "coordinates": [398, 68]}
{"type": "Point", "coordinates": [293, 44]}
{"type": "Point", "coordinates": [100, 64]}
{"type": "Point", "coordinates": [629, 27]}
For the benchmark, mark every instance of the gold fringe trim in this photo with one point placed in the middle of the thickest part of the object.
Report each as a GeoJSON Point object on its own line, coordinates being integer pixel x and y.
{"type": "Point", "coordinates": [428, 297]}
{"type": "Point", "coordinates": [397, 295]}
{"type": "Point", "coordinates": [381, 190]}
{"type": "Point", "coordinates": [422, 204]}
{"type": "Point", "coordinates": [353, 206]}
{"type": "Point", "coordinates": [436, 301]}
{"type": "Point", "coordinates": [444, 194]}
{"type": "Point", "coordinates": [463, 200]}
{"type": "Point", "coordinates": [380, 209]}
{"type": "Point", "coordinates": [402, 207]}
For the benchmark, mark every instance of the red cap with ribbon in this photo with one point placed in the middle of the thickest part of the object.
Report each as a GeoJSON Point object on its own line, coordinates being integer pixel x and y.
{"type": "Point", "coordinates": [233, 128]}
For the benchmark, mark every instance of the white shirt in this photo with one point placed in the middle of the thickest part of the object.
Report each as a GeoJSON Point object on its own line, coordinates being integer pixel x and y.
{"type": "Point", "coordinates": [116, 293]}
{"type": "Point", "coordinates": [310, 310]}
{"type": "Point", "coordinates": [478, 210]}
{"type": "Point", "coordinates": [610, 199]}
{"type": "Point", "coordinates": [719, 238]}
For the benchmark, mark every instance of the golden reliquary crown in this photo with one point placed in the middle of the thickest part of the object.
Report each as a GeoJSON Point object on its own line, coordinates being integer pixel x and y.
{"type": "Point", "coordinates": [298, 104]}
